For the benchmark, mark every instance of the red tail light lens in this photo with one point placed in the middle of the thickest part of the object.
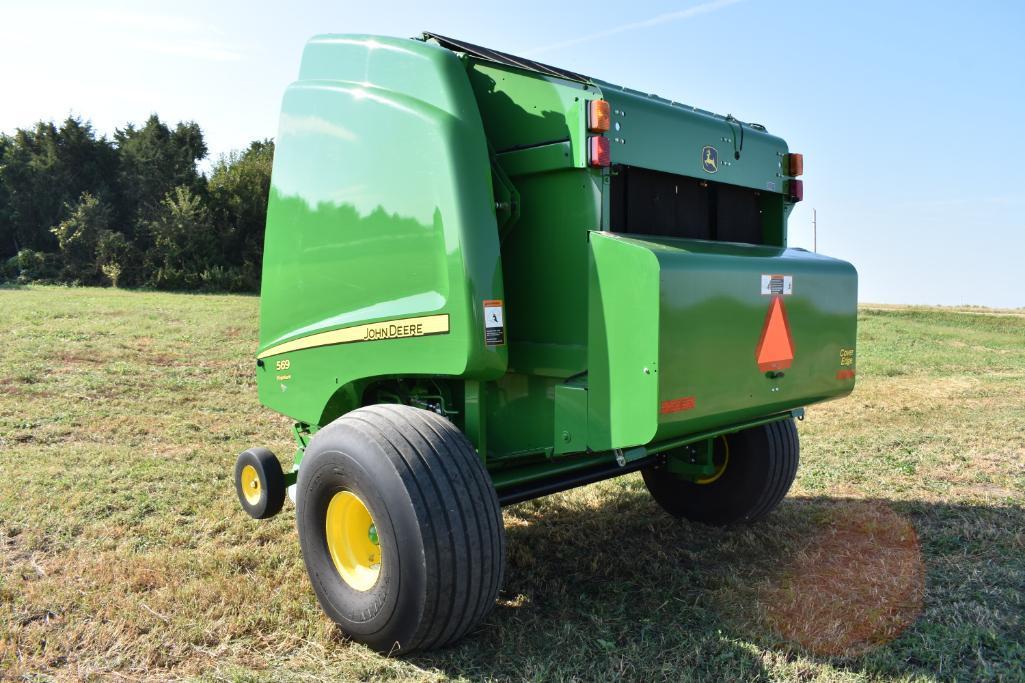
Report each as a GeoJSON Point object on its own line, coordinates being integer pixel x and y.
{"type": "Point", "coordinates": [795, 164]}
{"type": "Point", "coordinates": [598, 117]}
{"type": "Point", "coordinates": [598, 151]}
{"type": "Point", "coordinates": [795, 190]}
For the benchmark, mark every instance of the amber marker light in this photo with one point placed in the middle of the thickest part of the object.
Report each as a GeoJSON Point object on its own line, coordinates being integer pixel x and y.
{"type": "Point", "coordinates": [598, 117]}
{"type": "Point", "coordinates": [795, 164]}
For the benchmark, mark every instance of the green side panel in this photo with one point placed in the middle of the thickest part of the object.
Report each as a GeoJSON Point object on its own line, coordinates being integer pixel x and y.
{"type": "Point", "coordinates": [520, 417]}
{"type": "Point", "coordinates": [623, 343]}
{"type": "Point", "coordinates": [657, 134]}
{"type": "Point", "coordinates": [381, 209]}
{"type": "Point", "coordinates": [524, 109]}
{"type": "Point", "coordinates": [710, 324]}
{"type": "Point", "coordinates": [544, 258]}
{"type": "Point", "coordinates": [535, 124]}
{"type": "Point", "coordinates": [570, 418]}
{"type": "Point", "coordinates": [539, 159]}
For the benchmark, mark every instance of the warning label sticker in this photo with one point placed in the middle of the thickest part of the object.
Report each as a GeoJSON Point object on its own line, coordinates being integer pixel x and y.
{"type": "Point", "coordinates": [675, 405]}
{"type": "Point", "coordinates": [494, 323]}
{"type": "Point", "coordinates": [778, 284]}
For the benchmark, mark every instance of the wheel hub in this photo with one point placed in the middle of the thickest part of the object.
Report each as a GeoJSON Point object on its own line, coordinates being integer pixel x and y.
{"type": "Point", "coordinates": [720, 458]}
{"type": "Point", "coordinates": [251, 484]}
{"type": "Point", "coordinates": [352, 541]}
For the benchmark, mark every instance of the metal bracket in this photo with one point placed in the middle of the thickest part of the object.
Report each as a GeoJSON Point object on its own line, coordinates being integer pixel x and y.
{"type": "Point", "coordinates": [623, 457]}
{"type": "Point", "coordinates": [693, 460]}
{"type": "Point", "coordinates": [507, 198]}
{"type": "Point", "coordinates": [301, 433]}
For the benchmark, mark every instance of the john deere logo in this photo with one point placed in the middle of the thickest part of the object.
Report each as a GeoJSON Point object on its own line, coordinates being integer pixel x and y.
{"type": "Point", "coordinates": [709, 159]}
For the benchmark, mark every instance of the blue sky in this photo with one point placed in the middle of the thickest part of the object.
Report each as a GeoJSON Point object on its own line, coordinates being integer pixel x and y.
{"type": "Point", "coordinates": [909, 114]}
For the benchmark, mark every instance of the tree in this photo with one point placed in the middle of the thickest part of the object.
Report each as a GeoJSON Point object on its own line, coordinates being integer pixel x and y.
{"type": "Point", "coordinates": [154, 160]}
{"type": "Point", "coordinates": [42, 172]}
{"type": "Point", "coordinates": [77, 237]}
{"type": "Point", "coordinates": [239, 186]}
{"type": "Point", "coordinates": [118, 259]}
{"type": "Point", "coordinates": [8, 243]}
{"type": "Point", "coordinates": [135, 210]}
{"type": "Point", "coordinates": [184, 243]}
{"type": "Point", "coordinates": [29, 265]}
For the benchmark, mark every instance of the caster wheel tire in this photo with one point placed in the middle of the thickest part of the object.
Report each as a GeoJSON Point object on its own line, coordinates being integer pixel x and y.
{"type": "Point", "coordinates": [754, 470]}
{"type": "Point", "coordinates": [259, 483]}
{"type": "Point", "coordinates": [400, 528]}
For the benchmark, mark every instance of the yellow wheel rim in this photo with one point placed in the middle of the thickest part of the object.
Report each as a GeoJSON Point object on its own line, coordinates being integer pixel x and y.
{"type": "Point", "coordinates": [352, 541]}
{"type": "Point", "coordinates": [720, 461]}
{"type": "Point", "coordinates": [251, 488]}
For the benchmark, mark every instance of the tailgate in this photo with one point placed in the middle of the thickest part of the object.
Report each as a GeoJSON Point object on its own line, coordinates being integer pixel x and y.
{"type": "Point", "coordinates": [688, 335]}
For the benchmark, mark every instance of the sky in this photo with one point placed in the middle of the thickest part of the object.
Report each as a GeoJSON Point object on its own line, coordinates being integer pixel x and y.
{"type": "Point", "coordinates": [909, 115]}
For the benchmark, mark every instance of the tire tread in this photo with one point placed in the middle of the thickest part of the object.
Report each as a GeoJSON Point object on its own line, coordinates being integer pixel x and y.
{"type": "Point", "coordinates": [772, 450]}
{"type": "Point", "coordinates": [459, 516]}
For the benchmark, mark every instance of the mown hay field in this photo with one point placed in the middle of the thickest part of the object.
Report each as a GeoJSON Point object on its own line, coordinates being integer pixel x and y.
{"type": "Point", "coordinates": [899, 554]}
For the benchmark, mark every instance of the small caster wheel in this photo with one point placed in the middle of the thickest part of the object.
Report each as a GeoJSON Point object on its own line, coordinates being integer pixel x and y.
{"type": "Point", "coordinates": [260, 483]}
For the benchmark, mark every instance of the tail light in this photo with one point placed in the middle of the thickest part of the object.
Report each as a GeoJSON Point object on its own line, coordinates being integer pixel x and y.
{"type": "Point", "coordinates": [598, 117]}
{"type": "Point", "coordinates": [794, 164]}
{"type": "Point", "coordinates": [795, 190]}
{"type": "Point", "coordinates": [598, 151]}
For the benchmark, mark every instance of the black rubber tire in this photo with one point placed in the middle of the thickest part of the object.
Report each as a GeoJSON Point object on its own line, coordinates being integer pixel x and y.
{"type": "Point", "coordinates": [437, 518]}
{"type": "Point", "coordinates": [762, 465]}
{"type": "Point", "coordinates": [272, 483]}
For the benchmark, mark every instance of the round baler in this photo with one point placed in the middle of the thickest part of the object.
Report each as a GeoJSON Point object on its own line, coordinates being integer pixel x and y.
{"type": "Point", "coordinates": [486, 280]}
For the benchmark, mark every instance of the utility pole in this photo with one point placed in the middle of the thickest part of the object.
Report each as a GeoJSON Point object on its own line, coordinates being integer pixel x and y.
{"type": "Point", "coordinates": [814, 231]}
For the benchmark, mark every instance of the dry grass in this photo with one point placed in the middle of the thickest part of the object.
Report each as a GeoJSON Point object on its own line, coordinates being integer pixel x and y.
{"type": "Point", "coordinates": [123, 554]}
{"type": "Point", "coordinates": [855, 584]}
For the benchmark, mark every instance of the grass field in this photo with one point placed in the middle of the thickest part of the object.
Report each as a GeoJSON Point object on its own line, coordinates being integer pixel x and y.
{"type": "Point", "coordinates": [899, 554]}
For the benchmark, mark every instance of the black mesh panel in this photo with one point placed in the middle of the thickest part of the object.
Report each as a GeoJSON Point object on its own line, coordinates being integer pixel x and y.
{"type": "Point", "coordinates": [646, 202]}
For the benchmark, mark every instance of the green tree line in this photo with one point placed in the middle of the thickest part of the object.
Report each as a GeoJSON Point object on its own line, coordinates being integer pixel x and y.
{"type": "Point", "coordinates": [133, 210]}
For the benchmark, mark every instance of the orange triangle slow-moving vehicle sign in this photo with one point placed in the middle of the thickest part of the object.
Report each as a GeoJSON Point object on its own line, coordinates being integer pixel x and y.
{"type": "Point", "coordinates": [775, 349]}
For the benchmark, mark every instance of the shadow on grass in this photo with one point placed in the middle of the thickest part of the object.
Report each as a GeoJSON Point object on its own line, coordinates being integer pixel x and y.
{"type": "Point", "coordinates": [608, 586]}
